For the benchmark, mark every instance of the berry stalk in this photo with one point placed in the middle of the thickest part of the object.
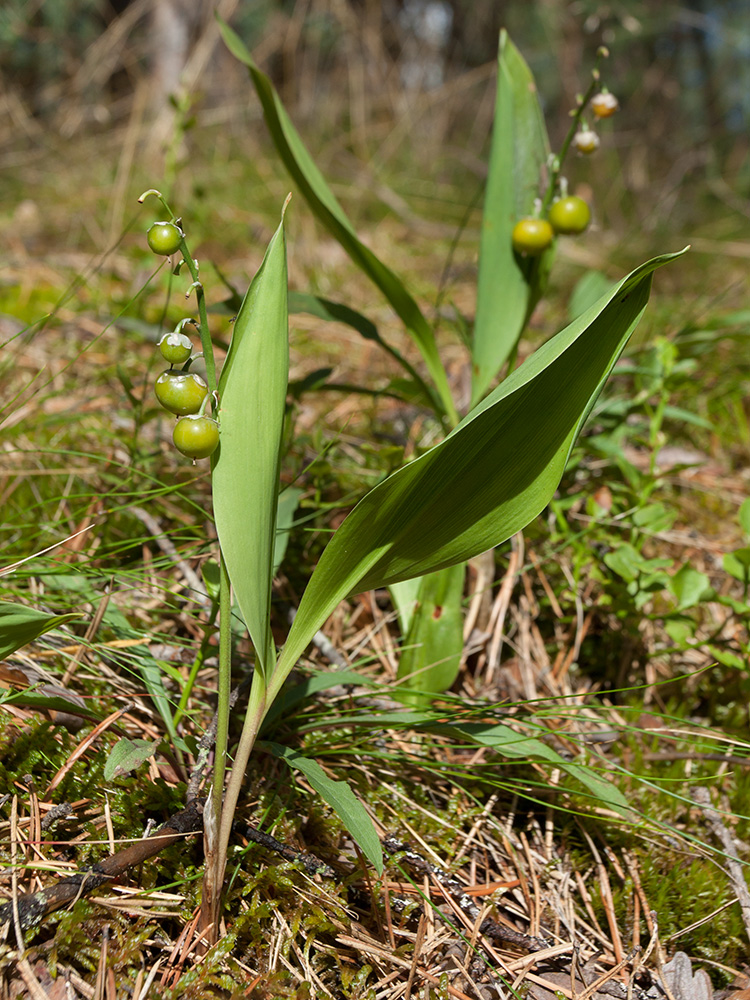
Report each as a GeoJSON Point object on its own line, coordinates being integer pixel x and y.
{"type": "Point", "coordinates": [577, 115]}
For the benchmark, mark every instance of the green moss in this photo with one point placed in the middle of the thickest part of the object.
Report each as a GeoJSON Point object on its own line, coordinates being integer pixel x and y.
{"type": "Point", "coordinates": [38, 748]}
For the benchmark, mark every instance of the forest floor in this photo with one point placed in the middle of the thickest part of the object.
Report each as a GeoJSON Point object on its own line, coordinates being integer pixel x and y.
{"type": "Point", "coordinates": [613, 629]}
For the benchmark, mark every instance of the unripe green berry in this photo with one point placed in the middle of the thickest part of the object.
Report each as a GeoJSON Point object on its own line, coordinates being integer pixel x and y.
{"type": "Point", "coordinates": [196, 436]}
{"type": "Point", "coordinates": [164, 238]}
{"type": "Point", "coordinates": [569, 215]}
{"type": "Point", "coordinates": [180, 392]}
{"type": "Point", "coordinates": [175, 347]}
{"type": "Point", "coordinates": [532, 236]}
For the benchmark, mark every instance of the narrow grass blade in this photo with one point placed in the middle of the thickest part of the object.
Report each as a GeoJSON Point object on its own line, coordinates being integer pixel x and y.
{"type": "Point", "coordinates": [285, 509]}
{"type": "Point", "coordinates": [294, 695]}
{"type": "Point", "coordinates": [341, 798]}
{"type": "Point", "coordinates": [20, 625]}
{"type": "Point", "coordinates": [433, 642]}
{"type": "Point", "coordinates": [494, 473]}
{"type": "Point", "coordinates": [36, 699]}
{"type": "Point", "coordinates": [509, 743]}
{"type": "Point", "coordinates": [337, 312]}
{"type": "Point", "coordinates": [324, 205]}
{"type": "Point", "coordinates": [153, 679]}
{"type": "Point", "coordinates": [252, 391]}
{"type": "Point", "coordinates": [508, 287]}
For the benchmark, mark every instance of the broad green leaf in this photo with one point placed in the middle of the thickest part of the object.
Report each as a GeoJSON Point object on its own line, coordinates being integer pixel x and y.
{"type": "Point", "coordinates": [20, 625]}
{"type": "Point", "coordinates": [211, 579]}
{"type": "Point", "coordinates": [494, 473]}
{"type": "Point", "coordinates": [654, 517]}
{"type": "Point", "coordinates": [404, 596]}
{"type": "Point", "coordinates": [335, 312]}
{"type": "Point", "coordinates": [737, 564]}
{"type": "Point", "coordinates": [686, 417]}
{"type": "Point", "coordinates": [128, 755]}
{"type": "Point", "coordinates": [413, 388]}
{"type": "Point", "coordinates": [628, 563]}
{"type": "Point", "coordinates": [432, 645]}
{"type": "Point", "coordinates": [738, 607]}
{"type": "Point", "coordinates": [508, 286]}
{"type": "Point", "coordinates": [341, 798]}
{"type": "Point", "coordinates": [408, 394]}
{"type": "Point", "coordinates": [679, 630]}
{"type": "Point", "coordinates": [324, 205]}
{"type": "Point", "coordinates": [689, 586]}
{"type": "Point", "coordinates": [727, 658]}
{"type": "Point", "coordinates": [286, 506]}
{"type": "Point", "coordinates": [744, 516]}
{"type": "Point", "coordinates": [314, 380]}
{"type": "Point", "coordinates": [252, 392]}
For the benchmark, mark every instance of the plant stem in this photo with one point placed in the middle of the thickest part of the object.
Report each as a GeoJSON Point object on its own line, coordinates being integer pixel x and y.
{"type": "Point", "coordinates": [215, 849]}
{"type": "Point", "coordinates": [559, 160]}
{"type": "Point", "coordinates": [192, 266]}
{"type": "Point", "coordinates": [225, 685]}
{"type": "Point", "coordinates": [206, 342]}
{"type": "Point", "coordinates": [254, 715]}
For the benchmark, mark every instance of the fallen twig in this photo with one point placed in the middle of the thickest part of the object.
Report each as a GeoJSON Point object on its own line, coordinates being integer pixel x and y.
{"type": "Point", "coordinates": [735, 870]}
{"type": "Point", "coordinates": [33, 907]}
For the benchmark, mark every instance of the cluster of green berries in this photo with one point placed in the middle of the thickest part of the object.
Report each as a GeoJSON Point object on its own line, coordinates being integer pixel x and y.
{"type": "Point", "coordinates": [568, 215]}
{"type": "Point", "coordinates": [181, 391]}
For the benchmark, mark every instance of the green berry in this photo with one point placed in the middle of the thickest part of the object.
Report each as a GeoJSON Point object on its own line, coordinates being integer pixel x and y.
{"type": "Point", "coordinates": [180, 392]}
{"type": "Point", "coordinates": [175, 347]}
{"type": "Point", "coordinates": [196, 436]}
{"type": "Point", "coordinates": [532, 236]}
{"type": "Point", "coordinates": [164, 238]}
{"type": "Point", "coordinates": [569, 215]}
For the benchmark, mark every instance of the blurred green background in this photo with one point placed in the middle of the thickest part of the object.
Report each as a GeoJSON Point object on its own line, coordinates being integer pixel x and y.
{"type": "Point", "coordinates": [115, 95]}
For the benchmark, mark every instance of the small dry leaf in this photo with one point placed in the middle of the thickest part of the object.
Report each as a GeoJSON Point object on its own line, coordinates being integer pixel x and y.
{"type": "Point", "coordinates": [678, 975]}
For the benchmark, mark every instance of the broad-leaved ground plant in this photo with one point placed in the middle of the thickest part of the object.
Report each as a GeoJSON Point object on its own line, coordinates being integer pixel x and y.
{"type": "Point", "coordinates": [495, 470]}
